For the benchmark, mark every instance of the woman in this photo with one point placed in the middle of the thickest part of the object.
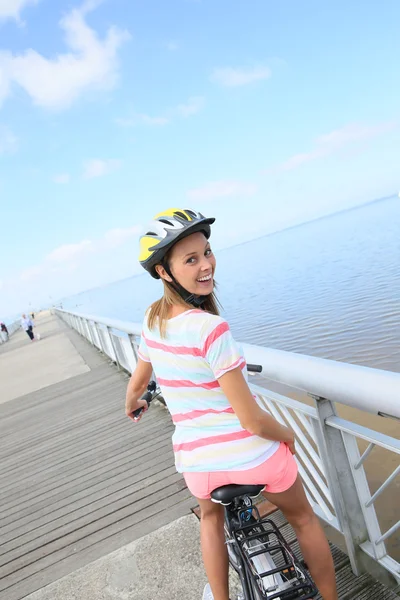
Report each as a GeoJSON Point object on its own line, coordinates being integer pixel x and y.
{"type": "Point", "coordinates": [221, 434]}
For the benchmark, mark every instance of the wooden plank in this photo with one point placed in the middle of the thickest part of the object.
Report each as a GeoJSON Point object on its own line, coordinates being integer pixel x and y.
{"type": "Point", "coordinates": [79, 524]}
{"type": "Point", "coordinates": [81, 446]}
{"type": "Point", "coordinates": [21, 530]}
{"type": "Point", "coordinates": [89, 473]}
{"type": "Point", "coordinates": [148, 522]}
{"type": "Point", "coordinates": [83, 480]}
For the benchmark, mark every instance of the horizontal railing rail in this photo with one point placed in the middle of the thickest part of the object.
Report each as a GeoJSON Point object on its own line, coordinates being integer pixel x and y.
{"type": "Point", "coordinates": [328, 447]}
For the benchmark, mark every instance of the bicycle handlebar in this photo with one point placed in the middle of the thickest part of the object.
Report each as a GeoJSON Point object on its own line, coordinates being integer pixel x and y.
{"type": "Point", "coordinates": [148, 396]}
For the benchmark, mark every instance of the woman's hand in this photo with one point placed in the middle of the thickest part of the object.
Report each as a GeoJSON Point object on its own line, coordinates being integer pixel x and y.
{"type": "Point", "coordinates": [290, 440]}
{"type": "Point", "coordinates": [138, 404]}
{"type": "Point", "coordinates": [251, 416]}
{"type": "Point", "coordinates": [136, 388]}
{"type": "Point", "coordinates": [291, 446]}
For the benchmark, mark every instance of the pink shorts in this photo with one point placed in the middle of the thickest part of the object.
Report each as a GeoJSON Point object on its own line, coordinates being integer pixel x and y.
{"type": "Point", "coordinates": [278, 473]}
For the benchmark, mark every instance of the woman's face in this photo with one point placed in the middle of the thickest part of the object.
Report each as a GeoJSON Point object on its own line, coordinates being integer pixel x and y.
{"type": "Point", "coordinates": [192, 263]}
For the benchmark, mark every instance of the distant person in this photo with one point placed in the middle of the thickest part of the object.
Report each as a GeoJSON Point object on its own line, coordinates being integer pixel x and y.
{"type": "Point", "coordinates": [33, 316]}
{"type": "Point", "coordinates": [27, 324]}
{"type": "Point", "coordinates": [4, 329]}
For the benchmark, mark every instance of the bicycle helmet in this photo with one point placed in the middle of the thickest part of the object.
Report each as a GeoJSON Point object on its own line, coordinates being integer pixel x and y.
{"type": "Point", "coordinates": [166, 229]}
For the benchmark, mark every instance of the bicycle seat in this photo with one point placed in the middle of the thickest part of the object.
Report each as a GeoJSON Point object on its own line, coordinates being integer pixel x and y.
{"type": "Point", "coordinates": [227, 493]}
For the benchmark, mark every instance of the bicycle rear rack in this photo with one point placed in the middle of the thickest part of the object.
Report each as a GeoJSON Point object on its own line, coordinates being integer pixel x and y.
{"type": "Point", "coordinates": [284, 578]}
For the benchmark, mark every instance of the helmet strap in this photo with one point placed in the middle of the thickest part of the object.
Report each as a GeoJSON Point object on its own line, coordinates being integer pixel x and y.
{"type": "Point", "coordinates": [188, 297]}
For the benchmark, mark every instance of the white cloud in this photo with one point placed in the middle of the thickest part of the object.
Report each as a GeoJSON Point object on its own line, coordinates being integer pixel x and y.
{"type": "Point", "coordinates": [333, 142]}
{"type": "Point", "coordinates": [142, 119]}
{"type": "Point", "coordinates": [55, 83]}
{"type": "Point", "coordinates": [234, 77]}
{"type": "Point", "coordinates": [69, 252]}
{"type": "Point", "coordinates": [187, 109]}
{"type": "Point", "coordinates": [71, 268]}
{"type": "Point", "coordinates": [354, 132]}
{"type": "Point", "coordinates": [117, 237]}
{"type": "Point", "coordinates": [31, 273]}
{"type": "Point", "coordinates": [172, 45]}
{"type": "Point", "coordinates": [191, 107]}
{"type": "Point", "coordinates": [11, 9]}
{"type": "Point", "coordinates": [97, 167]}
{"type": "Point", "coordinates": [148, 120]}
{"type": "Point", "coordinates": [68, 257]}
{"type": "Point", "coordinates": [4, 81]}
{"type": "Point", "coordinates": [8, 141]}
{"type": "Point", "coordinates": [223, 189]}
{"type": "Point", "coordinates": [62, 178]}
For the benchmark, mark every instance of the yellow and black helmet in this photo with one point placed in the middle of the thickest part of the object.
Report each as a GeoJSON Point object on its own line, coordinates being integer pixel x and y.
{"type": "Point", "coordinates": [167, 228]}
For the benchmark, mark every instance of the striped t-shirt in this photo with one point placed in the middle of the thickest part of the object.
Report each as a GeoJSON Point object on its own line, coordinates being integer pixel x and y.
{"type": "Point", "coordinates": [197, 350]}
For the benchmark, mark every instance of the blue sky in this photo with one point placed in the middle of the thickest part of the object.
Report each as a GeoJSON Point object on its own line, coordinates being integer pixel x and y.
{"type": "Point", "coordinates": [260, 113]}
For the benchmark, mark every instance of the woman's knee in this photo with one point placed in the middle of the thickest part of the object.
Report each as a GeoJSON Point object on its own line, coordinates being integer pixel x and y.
{"type": "Point", "coordinates": [302, 519]}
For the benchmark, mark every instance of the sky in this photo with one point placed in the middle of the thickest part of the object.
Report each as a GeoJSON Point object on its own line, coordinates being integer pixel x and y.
{"type": "Point", "coordinates": [260, 113]}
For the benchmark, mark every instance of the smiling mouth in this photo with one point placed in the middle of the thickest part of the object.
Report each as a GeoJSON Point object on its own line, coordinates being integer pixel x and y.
{"type": "Point", "coordinates": [205, 279]}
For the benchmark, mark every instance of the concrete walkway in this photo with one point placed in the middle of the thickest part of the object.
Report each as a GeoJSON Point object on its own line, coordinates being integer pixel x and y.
{"type": "Point", "coordinates": [91, 507]}
{"type": "Point", "coordinates": [25, 369]}
{"type": "Point", "coordinates": [134, 571]}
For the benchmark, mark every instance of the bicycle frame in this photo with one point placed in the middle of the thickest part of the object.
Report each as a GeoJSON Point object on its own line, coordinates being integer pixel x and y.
{"type": "Point", "coordinates": [235, 559]}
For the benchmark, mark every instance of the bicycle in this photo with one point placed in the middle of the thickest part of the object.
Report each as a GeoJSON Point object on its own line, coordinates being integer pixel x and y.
{"type": "Point", "coordinates": [267, 567]}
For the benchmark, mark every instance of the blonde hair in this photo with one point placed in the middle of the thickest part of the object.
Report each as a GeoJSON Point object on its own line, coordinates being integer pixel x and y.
{"type": "Point", "coordinates": [159, 311]}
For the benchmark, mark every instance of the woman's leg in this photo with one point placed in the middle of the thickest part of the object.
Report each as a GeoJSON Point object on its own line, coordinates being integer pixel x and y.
{"type": "Point", "coordinates": [213, 547]}
{"type": "Point", "coordinates": [314, 545]}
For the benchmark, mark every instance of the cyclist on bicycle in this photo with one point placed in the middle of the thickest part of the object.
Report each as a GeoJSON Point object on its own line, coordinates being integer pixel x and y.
{"type": "Point", "coordinates": [222, 435]}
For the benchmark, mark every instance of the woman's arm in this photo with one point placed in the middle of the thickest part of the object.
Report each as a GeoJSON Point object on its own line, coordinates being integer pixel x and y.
{"type": "Point", "coordinates": [137, 386]}
{"type": "Point", "coordinates": [250, 414]}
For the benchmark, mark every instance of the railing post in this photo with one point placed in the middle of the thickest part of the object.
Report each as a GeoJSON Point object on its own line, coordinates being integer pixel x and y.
{"type": "Point", "coordinates": [96, 325]}
{"type": "Point", "coordinates": [90, 333]}
{"type": "Point", "coordinates": [82, 326]}
{"type": "Point", "coordinates": [113, 347]}
{"type": "Point", "coordinates": [132, 340]}
{"type": "Point", "coordinates": [133, 345]}
{"type": "Point", "coordinates": [341, 482]}
{"type": "Point", "coordinates": [82, 322]}
{"type": "Point", "coordinates": [87, 332]}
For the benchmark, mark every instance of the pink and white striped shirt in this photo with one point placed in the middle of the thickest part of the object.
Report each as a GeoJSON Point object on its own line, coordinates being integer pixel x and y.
{"type": "Point", "coordinates": [197, 350]}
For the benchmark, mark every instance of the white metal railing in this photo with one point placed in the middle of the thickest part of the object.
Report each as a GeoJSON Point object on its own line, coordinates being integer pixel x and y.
{"type": "Point", "coordinates": [11, 329]}
{"type": "Point", "coordinates": [328, 453]}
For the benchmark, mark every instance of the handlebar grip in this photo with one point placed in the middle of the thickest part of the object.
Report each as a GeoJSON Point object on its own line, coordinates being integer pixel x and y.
{"type": "Point", "coordinates": [136, 413]}
{"type": "Point", "coordinates": [148, 396]}
{"type": "Point", "coordinates": [152, 386]}
{"type": "Point", "coordinates": [254, 368]}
